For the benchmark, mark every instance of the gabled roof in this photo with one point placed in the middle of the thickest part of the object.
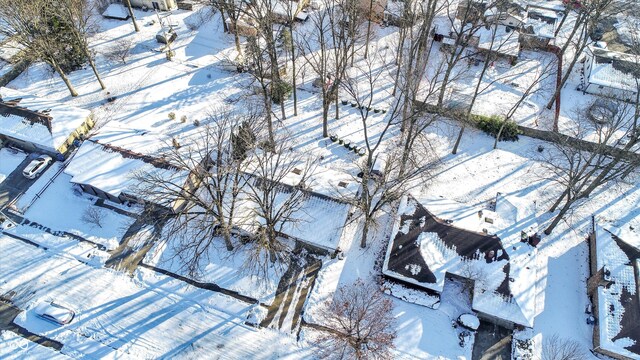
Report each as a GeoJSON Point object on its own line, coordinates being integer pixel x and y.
{"type": "Point", "coordinates": [40, 121]}
{"type": "Point", "coordinates": [112, 157]}
{"type": "Point", "coordinates": [424, 248]}
{"type": "Point", "coordinates": [618, 304]}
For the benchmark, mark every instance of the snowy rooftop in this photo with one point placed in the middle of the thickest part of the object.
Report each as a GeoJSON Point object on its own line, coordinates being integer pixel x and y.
{"type": "Point", "coordinates": [425, 248]}
{"type": "Point", "coordinates": [619, 304]}
{"type": "Point", "coordinates": [504, 42]}
{"type": "Point", "coordinates": [18, 123]}
{"type": "Point", "coordinates": [113, 156]}
{"type": "Point", "coordinates": [541, 21]}
{"type": "Point", "coordinates": [613, 69]}
{"type": "Point", "coordinates": [116, 11]}
{"type": "Point", "coordinates": [320, 180]}
{"type": "Point", "coordinates": [317, 221]}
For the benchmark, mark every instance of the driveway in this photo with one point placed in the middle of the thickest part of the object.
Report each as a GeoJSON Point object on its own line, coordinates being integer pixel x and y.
{"type": "Point", "coordinates": [492, 342]}
{"type": "Point", "coordinates": [15, 184]}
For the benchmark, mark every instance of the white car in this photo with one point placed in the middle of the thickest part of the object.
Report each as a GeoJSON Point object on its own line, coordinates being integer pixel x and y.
{"type": "Point", "coordinates": [36, 166]}
{"type": "Point", "coordinates": [55, 313]}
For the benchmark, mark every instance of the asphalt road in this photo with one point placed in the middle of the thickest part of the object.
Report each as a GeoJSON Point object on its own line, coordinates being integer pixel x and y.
{"type": "Point", "coordinates": [15, 184]}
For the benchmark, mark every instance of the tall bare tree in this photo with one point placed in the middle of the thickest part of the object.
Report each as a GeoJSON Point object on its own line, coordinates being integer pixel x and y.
{"type": "Point", "coordinates": [385, 176]}
{"type": "Point", "coordinates": [31, 24]}
{"type": "Point", "coordinates": [79, 14]}
{"type": "Point", "coordinates": [360, 323]}
{"type": "Point", "coordinates": [204, 192]}
{"type": "Point", "coordinates": [272, 203]}
{"type": "Point", "coordinates": [581, 171]}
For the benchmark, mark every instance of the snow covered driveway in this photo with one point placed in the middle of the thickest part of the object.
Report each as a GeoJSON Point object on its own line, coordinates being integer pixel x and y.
{"type": "Point", "coordinates": [150, 316]}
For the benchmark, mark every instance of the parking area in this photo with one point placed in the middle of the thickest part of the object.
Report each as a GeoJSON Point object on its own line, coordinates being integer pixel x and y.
{"type": "Point", "coordinates": [12, 182]}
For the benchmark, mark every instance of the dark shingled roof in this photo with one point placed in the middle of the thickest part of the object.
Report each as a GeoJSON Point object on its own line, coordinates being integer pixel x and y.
{"type": "Point", "coordinates": [405, 249]}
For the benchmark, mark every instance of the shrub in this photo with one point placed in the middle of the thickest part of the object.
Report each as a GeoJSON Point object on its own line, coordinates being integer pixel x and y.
{"type": "Point", "coordinates": [172, 116]}
{"type": "Point", "coordinates": [492, 124]}
{"type": "Point", "coordinates": [183, 118]}
{"type": "Point", "coordinates": [281, 91]}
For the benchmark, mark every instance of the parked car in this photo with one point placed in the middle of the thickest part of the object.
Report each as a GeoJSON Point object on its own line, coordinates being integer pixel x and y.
{"type": "Point", "coordinates": [55, 313]}
{"type": "Point", "coordinates": [37, 166]}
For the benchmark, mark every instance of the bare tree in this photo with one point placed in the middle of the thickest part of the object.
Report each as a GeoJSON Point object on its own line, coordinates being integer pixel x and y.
{"type": "Point", "coordinates": [93, 216]}
{"type": "Point", "coordinates": [272, 203]}
{"type": "Point", "coordinates": [581, 171]}
{"type": "Point", "coordinates": [119, 51]}
{"type": "Point", "coordinates": [203, 194]}
{"type": "Point", "coordinates": [496, 45]}
{"type": "Point", "coordinates": [557, 348]}
{"type": "Point", "coordinates": [395, 171]}
{"type": "Point", "coordinates": [31, 24]}
{"type": "Point", "coordinates": [79, 14]}
{"type": "Point", "coordinates": [361, 323]}
{"type": "Point", "coordinates": [329, 50]}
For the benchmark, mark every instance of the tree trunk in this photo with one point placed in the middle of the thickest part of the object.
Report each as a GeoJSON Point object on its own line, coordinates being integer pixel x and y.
{"type": "Point", "coordinates": [557, 219]}
{"type": "Point", "coordinates": [366, 46]}
{"type": "Point", "coordinates": [133, 17]}
{"type": "Point", "coordinates": [325, 117]}
{"type": "Point", "coordinates": [293, 69]}
{"type": "Point", "coordinates": [564, 18]}
{"type": "Point", "coordinates": [565, 77]}
{"type": "Point", "coordinates": [365, 232]}
{"type": "Point", "coordinates": [559, 200]}
{"type": "Point", "coordinates": [457, 143]}
{"type": "Point", "coordinates": [95, 70]}
{"type": "Point", "coordinates": [64, 77]}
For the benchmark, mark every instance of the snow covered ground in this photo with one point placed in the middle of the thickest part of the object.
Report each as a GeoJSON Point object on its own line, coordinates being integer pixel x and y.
{"type": "Point", "coordinates": [62, 208]}
{"type": "Point", "coordinates": [9, 161]}
{"type": "Point", "coordinates": [15, 347]}
{"type": "Point", "coordinates": [153, 315]}
{"type": "Point", "coordinates": [149, 316]}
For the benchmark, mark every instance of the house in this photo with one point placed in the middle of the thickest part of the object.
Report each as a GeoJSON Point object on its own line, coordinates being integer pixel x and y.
{"type": "Point", "coordinates": [538, 30]}
{"type": "Point", "coordinates": [106, 164]}
{"type": "Point", "coordinates": [611, 74]}
{"type": "Point", "coordinates": [424, 249]}
{"type": "Point", "coordinates": [500, 40]}
{"type": "Point", "coordinates": [374, 10]}
{"type": "Point", "coordinates": [321, 215]}
{"type": "Point", "coordinates": [40, 125]}
{"type": "Point", "coordinates": [160, 5]}
{"type": "Point", "coordinates": [614, 289]}
{"type": "Point", "coordinates": [509, 14]}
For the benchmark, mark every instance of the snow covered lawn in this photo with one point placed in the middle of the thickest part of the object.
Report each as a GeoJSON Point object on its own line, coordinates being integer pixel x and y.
{"type": "Point", "coordinates": [9, 161]}
{"type": "Point", "coordinates": [15, 347]}
{"type": "Point", "coordinates": [61, 208]}
{"type": "Point", "coordinates": [224, 268]}
{"type": "Point", "coordinates": [149, 316]}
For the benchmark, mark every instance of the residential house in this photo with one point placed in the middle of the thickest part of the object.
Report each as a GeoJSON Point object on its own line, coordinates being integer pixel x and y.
{"type": "Point", "coordinates": [611, 74]}
{"type": "Point", "coordinates": [40, 125]}
{"type": "Point", "coordinates": [614, 289]}
{"type": "Point", "coordinates": [160, 5]}
{"type": "Point", "coordinates": [490, 249]}
{"type": "Point", "coordinates": [322, 214]}
{"type": "Point", "coordinates": [538, 30]}
{"type": "Point", "coordinates": [106, 164]}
